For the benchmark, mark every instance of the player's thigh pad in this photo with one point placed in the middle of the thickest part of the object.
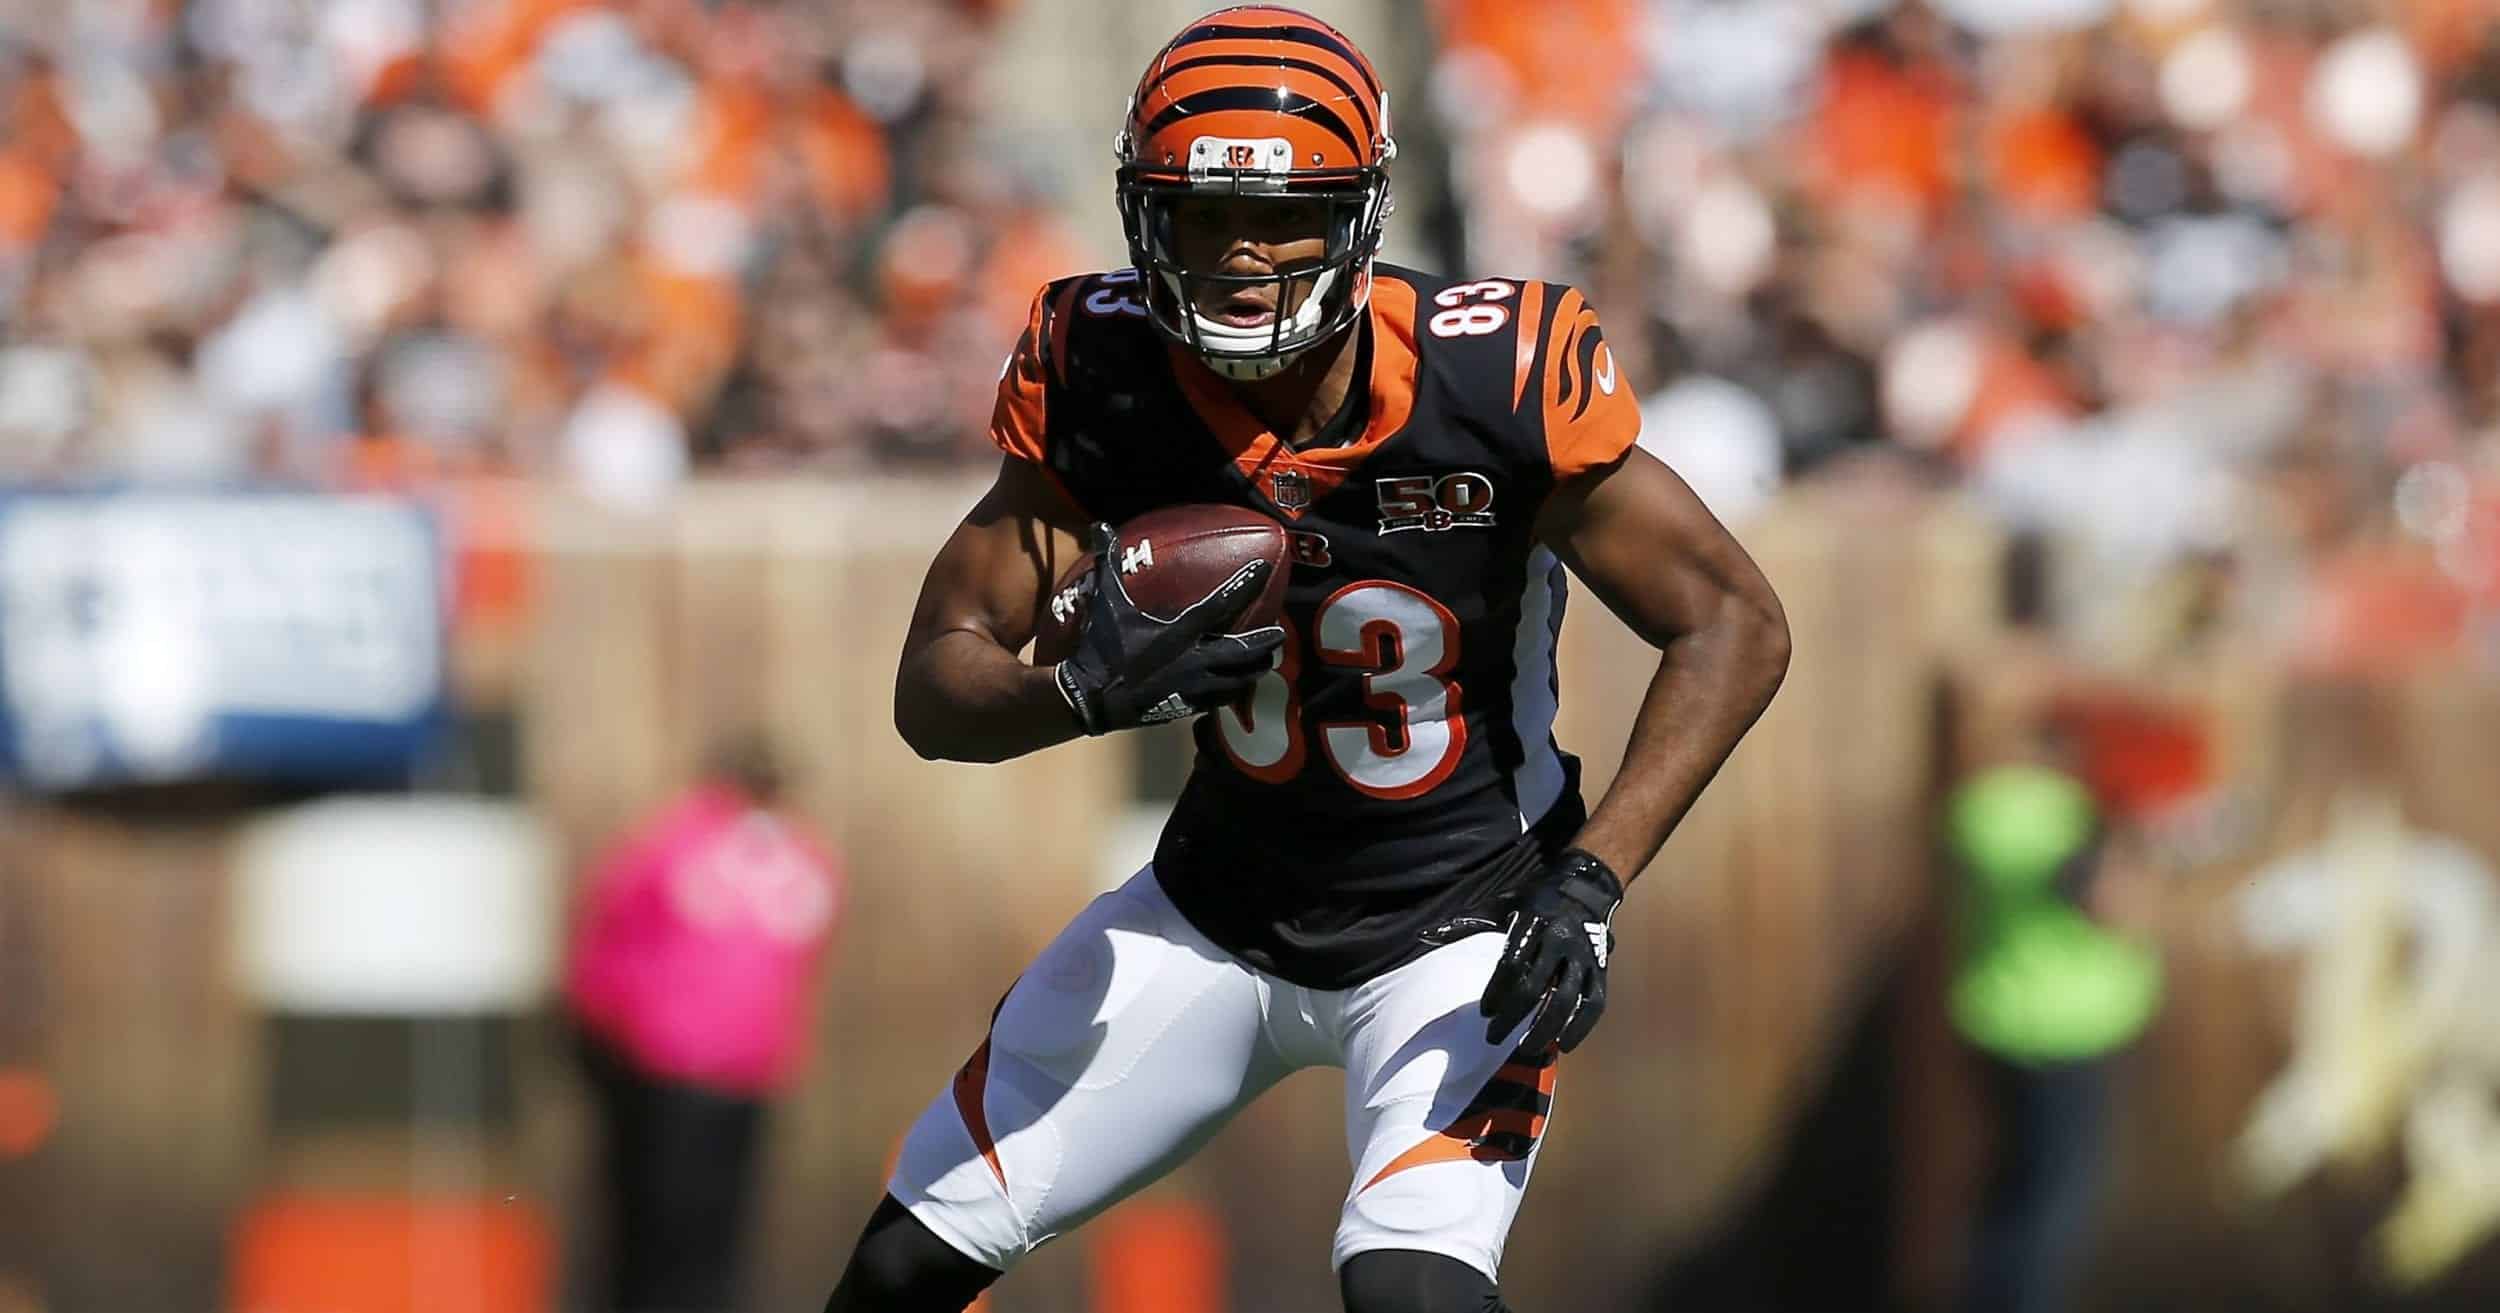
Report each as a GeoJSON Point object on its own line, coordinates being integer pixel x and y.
{"type": "Point", "coordinates": [1443, 1127]}
{"type": "Point", "coordinates": [1127, 1043]}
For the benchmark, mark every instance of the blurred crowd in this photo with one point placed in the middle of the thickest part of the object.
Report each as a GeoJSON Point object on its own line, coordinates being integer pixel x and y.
{"type": "Point", "coordinates": [375, 242]}
{"type": "Point", "coordinates": [2209, 287]}
{"type": "Point", "coordinates": [2206, 288]}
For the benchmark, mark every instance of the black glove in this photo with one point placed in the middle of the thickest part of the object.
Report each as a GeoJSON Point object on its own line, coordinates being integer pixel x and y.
{"type": "Point", "coordinates": [1131, 669]}
{"type": "Point", "coordinates": [1560, 933]}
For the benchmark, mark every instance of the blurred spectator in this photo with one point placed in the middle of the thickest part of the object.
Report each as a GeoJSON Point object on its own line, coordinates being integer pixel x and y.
{"type": "Point", "coordinates": [691, 977]}
{"type": "Point", "coordinates": [2045, 993]}
{"type": "Point", "coordinates": [2110, 259]}
{"type": "Point", "coordinates": [2130, 248]}
{"type": "Point", "coordinates": [1722, 438]}
{"type": "Point", "coordinates": [380, 242]}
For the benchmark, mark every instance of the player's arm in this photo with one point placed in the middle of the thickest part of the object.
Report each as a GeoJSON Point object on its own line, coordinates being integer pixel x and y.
{"type": "Point", "coordinates": [963, 693]}
{"type": "Point", "coordinates": [1647, 547]}
{"type": "Point", "coordinates": [1639, 538]}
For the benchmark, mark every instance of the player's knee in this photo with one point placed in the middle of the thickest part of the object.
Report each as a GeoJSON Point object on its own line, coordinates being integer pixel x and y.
{"type": "Point", "coordinates": [901, 1266]}
{"type": "Point", "coordinates": [1410, 1281]}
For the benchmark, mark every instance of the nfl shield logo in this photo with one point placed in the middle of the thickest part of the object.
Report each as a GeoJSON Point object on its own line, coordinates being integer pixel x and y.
{"type": "Point", "coordinates": [1289, 489]}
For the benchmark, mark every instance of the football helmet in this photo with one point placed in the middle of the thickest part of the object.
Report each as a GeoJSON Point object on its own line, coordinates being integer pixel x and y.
{"type": "Point", "coordinates": [1257, 101]}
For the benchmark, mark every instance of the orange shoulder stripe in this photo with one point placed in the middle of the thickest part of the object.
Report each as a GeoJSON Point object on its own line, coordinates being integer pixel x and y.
{"type": "Point", "coordinates": [1591, 416]}
{"type": "Point", "coordinates": [1531, 305]}
{"type": "Point", "coordinates": [1016, 420]}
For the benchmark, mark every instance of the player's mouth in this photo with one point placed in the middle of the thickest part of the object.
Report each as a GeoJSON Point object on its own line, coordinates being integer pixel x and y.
{"type": "Point", "coordinates": [1245, 309]}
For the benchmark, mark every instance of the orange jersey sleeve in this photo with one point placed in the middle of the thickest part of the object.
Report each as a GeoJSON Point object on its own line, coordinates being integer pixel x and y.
{"type": "Point", "coordinates": [1591, 417]}
{"type": "Point", "coordinates": [1016, 420]}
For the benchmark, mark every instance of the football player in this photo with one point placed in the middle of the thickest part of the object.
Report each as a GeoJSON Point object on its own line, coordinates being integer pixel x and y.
{"type": "Point", "coordinates": [1382, 861]}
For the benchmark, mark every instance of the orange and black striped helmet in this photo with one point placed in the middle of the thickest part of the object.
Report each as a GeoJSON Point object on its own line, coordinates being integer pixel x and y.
{"type": "Point", "coordinates": [1262, 101]}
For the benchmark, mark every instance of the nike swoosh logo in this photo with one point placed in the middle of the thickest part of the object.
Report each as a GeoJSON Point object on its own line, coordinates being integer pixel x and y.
{"type": "Point", "coordinates": [1606, 370]}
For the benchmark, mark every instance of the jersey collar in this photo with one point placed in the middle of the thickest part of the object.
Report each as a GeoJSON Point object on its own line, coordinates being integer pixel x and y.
{"type": "Point", "coordinates": [1259, 453]}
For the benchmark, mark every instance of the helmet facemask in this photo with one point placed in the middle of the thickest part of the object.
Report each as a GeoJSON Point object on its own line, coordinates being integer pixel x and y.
{"type": "Point", "coordinates": [1313, 300]}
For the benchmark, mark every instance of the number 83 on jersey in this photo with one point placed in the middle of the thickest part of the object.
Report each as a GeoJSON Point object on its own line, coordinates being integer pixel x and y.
{"type": "Point", "coordinates": [1407, 646]}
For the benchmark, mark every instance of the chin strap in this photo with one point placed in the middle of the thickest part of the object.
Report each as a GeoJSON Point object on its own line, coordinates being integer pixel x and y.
{"type": "Point", "coordinates": [1250, 369]}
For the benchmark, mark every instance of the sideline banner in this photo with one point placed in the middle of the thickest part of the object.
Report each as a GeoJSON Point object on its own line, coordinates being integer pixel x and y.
{"type": "Point", "coordinates": [151, 635]}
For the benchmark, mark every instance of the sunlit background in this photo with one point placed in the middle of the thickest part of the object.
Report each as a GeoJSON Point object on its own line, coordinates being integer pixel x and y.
{"type": "Point", "coordinates": [442, 441]}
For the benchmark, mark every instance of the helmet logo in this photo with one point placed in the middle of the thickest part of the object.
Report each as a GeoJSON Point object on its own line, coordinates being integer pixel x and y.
{"type": "Point", "coordinates": [1266, 159]}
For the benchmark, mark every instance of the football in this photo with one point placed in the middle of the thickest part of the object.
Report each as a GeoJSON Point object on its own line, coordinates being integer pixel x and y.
{"type": "Point", "coordinates": [1170, 558]}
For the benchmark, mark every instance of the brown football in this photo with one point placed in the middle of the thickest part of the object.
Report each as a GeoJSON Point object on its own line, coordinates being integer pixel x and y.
{"type": "Point", "coordinates": [1170, 558]}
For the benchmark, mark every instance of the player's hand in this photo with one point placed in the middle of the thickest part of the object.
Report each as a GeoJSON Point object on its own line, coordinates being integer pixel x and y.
{"type": "Point", "coordinates": [1555, 963]}
{"type": "Point", "coordinates": [1131, 669]}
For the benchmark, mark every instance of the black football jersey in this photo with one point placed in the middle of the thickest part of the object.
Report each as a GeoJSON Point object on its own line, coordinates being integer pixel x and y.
{"type": "Point", "coordinates": [1396, 775]}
